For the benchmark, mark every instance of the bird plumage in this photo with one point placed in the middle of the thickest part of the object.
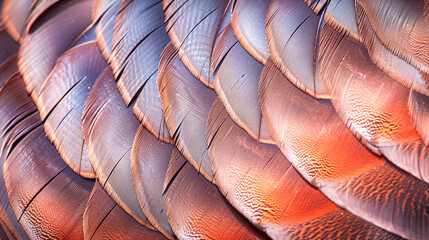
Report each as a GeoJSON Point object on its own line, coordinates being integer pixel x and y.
{"type": "Point", "coordinates": [282, 119]}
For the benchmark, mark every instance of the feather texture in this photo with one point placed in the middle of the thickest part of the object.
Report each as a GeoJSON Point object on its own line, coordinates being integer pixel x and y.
{"type": "Point", "coordinates": [35, 177]}
{"type": "Point", "coordinates": [106, 25]}
{"type": "Point", "coordinates": [140, 38]}
{"type": "Point", "coordinates": [292, 30]}
{"type": "Point", "coordinates": [100, 7]}
{"type": "Point", "coordinates": [42, 184]}
{"type": "Point", "coordinates": [38, 8]}
{"type": "Point", "coordinates": [341, 14]}
{"type": "Point", "coordinates": [149, 164]}
{"type": "Point", "coordinates": [194, 206]}
{"type": "Point", "coordinates": [192, 26]}
{"type": "Point", "coordinates": [316, 5]}
{"type": "Point", "coordinates": [104, 219]}
{"type": "Point", "coordinates": [18, 112]}
{"type": "Point", "coordinates": [248, 22]}
{"type": "Point", "coordinates": [363, 97]}
{"type": "Point", "coordinates": [277, 209]}
{"type": "Point", "coordinates": [8, 69]}
{"type": "Point", "coordinates": [55, 30]}
{"type": "Point", "coordinates": [236, 84]}
{"type": "Point", "coordinates": [109, 128]}
{"type": "Point", "coordinates": [15, 14]}
{"type": "Point", "coordinates": [9, 46]}
{"type": "Point", "coordinates": [186, 103]}
{"type": "Point", "coordinates": [62, 100]}
{"type": "Point", "coordinates": [217, 119]}
{"type": "Point", "coordinates": [312, 136]}
{"type": "Point", "coordinates": [396, 67]}
{"type": "Point", "coordinates": [418, 105]}
{"type": "Point", "coordinates": [39, 182]}
{"type": "Point", "coordinates": [405, 19]}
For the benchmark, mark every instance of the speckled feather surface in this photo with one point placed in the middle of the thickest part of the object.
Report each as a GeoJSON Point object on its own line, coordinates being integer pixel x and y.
{"type": "Point", "coordinates": [229, 119]}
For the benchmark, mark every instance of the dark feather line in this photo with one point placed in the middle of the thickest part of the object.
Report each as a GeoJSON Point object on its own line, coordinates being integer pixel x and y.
{"type": "Point", "coordinates": [39, 191]}
{"type": "Point", "coordinates": [174, 177]}
{"type": "Point", "coordinates": [104, 218]}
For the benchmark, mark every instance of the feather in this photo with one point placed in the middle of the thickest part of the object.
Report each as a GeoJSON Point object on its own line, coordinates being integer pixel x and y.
{"type": "Point", "coordinates": [425, 77]}
{"type": "Point", "coordinates": [8, 57]}
{"type": "Point", "coordinates": [226, 19]}
{"type": "Point", "coordinates": [106, 28]}
{"type": "Point", "coordinates": [341, 102]}
{"type": "Point", "coordinates": [261, 183]}
{"type": "Point", "coordinates": [194, 206]}
{"type": "Point", "coordinates": [292, 30]}
{"type": "Point", "coordinates": [225, 41]}
{"type": "Point", "coordinates": [15, 14]}
{"type": "Point", "coordinates": [16, 108]}
{"type": "Point", "coordinates": [8, 69]}
{"type": "Point", "coordinates": [4, 231]}
{"type": "Point", "coordinates": [14, 134]}
{"type": "Point", "coordinates": [236, 84]}
{"type": "Point", "coordinates": [133, 24]}
{"type": "Point", "coordinates": [18, 115]}
{"type": "Point", "coordinates": [138, 42]}
{"type": "Point", "coordinates": [38, 8]}
{"type": "Point", "coordinates": [148, 109]}
{"type": "Point", "coordinates": [248, 22]}
{"type": "Point", "coordinates": [105, 219]}
{"type": "Point", "coordinates": [149, 163]}
{"type": "Point", "coordinates": [124, 4]}
{"type": "Point", "coordinates": [413, 155]}
{"type": "Point", "coordinates": [109, 128]}
{"type": "Point", "coordinates": [400, 26]}
{"type": "Point", "coordinates": [418, 105]}
{"type": "Point", "coordinates": [88, 35]}
{"type": "Point", "coordinates": [363, 95]}
{"type": "Point", "coordinates": [8, 45]}
{"type": "Point", "coordinates": [341, 15]}
{"type": "Point", "coordinates": [39, 182]}
{"type": "Point", "coordinates": [186, 103]}
{"type": "Point", "coordinates": [62, 100]}
{"type": "Point", "coordinates": [192, 26]}
{"type": "Point", "coordinates": [55, 30]}
{"type": "Point", "coordinates": [395, 67]}
{"type": "Point", "coordinates": [100, 7]}
{"type": "Point", "coordinates": [426, 12]}
{"type": "Point", "coordinates": [317, 5]}
{"type": "Point", "coordinates": [312, 136]}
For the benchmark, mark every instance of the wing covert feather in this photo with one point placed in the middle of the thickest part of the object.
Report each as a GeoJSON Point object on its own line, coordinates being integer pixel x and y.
{"type": "Point", "coordinates": [149, 164]}
{"type": "Point", "coordinates": [186, 103]}
{"type": "Point", "coordinates": [109, 128]}
{"type": "Point", "coordinates": [248, 22]}
{"type": "Point", "coordinates": [262, 185]}
{"type": "Point", "coordinates": [138, 42]}
{"type": "Point", "coordinates": [192, 26]}
{"type": "Point", "coordinates": [62, 101]}
{"type": "Point", "coordinates": [236, 84]}
{"type": "Point", "coordinates": [321, 147]}
{"type": "Point", "coordinates": [373, 105]}
{"type": "Point", "coordinates": [55, 30]}
{"type": "Point", "coordinates": [194, 206]}
{"type": "Point", "coordinates": [292, 34]}
{"type": "Point", "coordinates": [105, 219]}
